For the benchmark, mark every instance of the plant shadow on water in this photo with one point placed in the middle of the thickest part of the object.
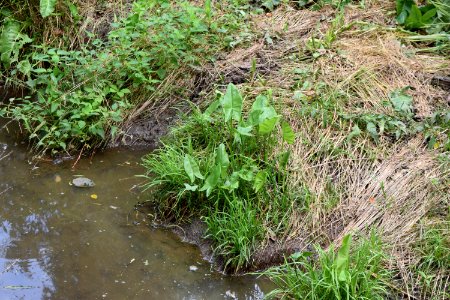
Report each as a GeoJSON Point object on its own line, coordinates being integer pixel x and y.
{"type": "Point", "coordinates": [57, 242]}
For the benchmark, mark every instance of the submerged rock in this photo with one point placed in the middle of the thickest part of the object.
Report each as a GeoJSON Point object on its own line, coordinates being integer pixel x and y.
{"type": "Point", "coordinates": [83, 182]}
{"type": "Point", "coordinates": [193, 268]}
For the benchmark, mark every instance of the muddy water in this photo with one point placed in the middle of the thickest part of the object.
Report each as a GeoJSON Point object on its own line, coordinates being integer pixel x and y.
{"type": "Point", "coordinates": [57, 242]}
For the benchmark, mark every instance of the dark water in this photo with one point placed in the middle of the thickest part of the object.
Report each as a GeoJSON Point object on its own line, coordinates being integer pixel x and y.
{"type": "Point", "coordinates": [57, 242]}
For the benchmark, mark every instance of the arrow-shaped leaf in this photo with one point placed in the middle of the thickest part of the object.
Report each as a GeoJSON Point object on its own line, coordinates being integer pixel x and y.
{"type": "Point", "coordinates": [288, 133]}
{"type": "Point", "coordinates": [268, 125]}
{"type": "Point", "coordinates": [191, 168]}
{"type": "Point", "coordinates": [212, 180]}
{"type": "Point", "coordinates": [232, 103]}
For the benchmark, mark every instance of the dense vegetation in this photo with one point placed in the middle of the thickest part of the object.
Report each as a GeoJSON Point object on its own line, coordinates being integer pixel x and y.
{"type": "Point", "coordinates": [332, 148]}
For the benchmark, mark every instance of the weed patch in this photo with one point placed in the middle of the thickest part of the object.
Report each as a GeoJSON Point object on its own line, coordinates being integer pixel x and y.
{"type": "Point", "coordinates": [225, 164]}
{"type": "Point", "coordinates": [82, 96]}
{"type": "Point", "coordinates": [356, 274]}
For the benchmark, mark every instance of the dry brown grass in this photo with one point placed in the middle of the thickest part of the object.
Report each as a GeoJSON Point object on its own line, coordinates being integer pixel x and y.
{"type": "Point", "coordinates": [387, 186]}
{"type": "Point", "coordinates": [371, 66]}
{"type": "Point", "coordinates": [94, 16]}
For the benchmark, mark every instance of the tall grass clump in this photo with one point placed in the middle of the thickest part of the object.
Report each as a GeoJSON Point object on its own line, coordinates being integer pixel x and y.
{"type": "Point", "coordinates": [228, 165]}
{"type": "Point", "coordinates": [356, 273]}
{"type": "Point", "coordinates": [433, 251]}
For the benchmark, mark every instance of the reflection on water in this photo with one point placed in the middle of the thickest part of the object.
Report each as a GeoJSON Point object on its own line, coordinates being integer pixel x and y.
{"type": "Point", "coordinates": [56, 242]}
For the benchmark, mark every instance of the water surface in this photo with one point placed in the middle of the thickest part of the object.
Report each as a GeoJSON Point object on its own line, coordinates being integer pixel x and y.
{"type": "Point", "coordinates": [57, 242]}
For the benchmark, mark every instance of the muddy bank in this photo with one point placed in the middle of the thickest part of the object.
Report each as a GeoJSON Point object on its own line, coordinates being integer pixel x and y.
{"type": "Point", "coordinates": [270, 254]}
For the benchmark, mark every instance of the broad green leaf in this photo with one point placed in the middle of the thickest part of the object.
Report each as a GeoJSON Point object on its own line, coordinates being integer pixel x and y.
{"type": "Point", "coordinates": [403, 10]}
{"type": "Point", "coordinates": [297, 255]}
{"type": "Point", "coordinates": [267, 113]}
{"type": "Point", "coordinates": [372, 130]}
{"type": "Point", "coordinates": [232, 182]}
{"type": "Point", "coordinates": [191, 188]}
{"type": "Point", "coordinates": [54, 107]}
{"type": "Point", "coordinates": [401, 18]}
{"type": "Point", "coordinates": [24, 67]}
{"type": "Point", "coordinates": [246, 174]}
{"type": "Point", "coordinates": [191, 168]}
{"type": "Point", "coordinates": [237, 138]}
{"type": "Point", "coordinates": [401, 101]}
{"type": "Point", "coordinates": [113, 130]}
{"type": "Point", "coordinates": [212, 180]}
{"type": "Point", "coordinates": [253, 118]}
{"type": "Point", "coordinates": [101, 132]}
{"type": "Point", "coordinates": [222, 159]}
{"type": "Point", "coordinates": [355, 132]}
{"type": "Point", "coordinates": [81, 124]}
{"type": "Point", "coordinates": [211, 109]}
{"type": "Point", "coordinates": [257, 109]}
{"type": "Point", "coordinates": [429, 15]}
{"type": "Point", "coordinates": [46, 7]}
{"type": "Point", "coordinates": [288, 133]}
{"type": "Point", "coordinates": [232, 103]}
{"type": "Point", "coordinates": [245, 130]}
{"type": "Point", "coordinates": [222, 156]}
{"type": "Point", "coordinates": [343, 259]}
{"type": "Point", "coordinates": [268, 125]}
{"type": "Point", "coordinates": [260, 181]}
{"type": "Point", "coordinates": [260, 102]}
{"type": "Point", "coordinates": [73, 11]}
{"type": "Point", "coordinates": [11, 41]}
{"type": "Point", "coordinates": [8, 39]}
{"type": "Point", "coordinates": [414, 20]}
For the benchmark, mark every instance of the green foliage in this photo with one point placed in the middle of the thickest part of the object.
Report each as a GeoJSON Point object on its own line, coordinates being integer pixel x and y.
{"type": "Point", "coordinates": [46, 7]}
{"type": "Point", "coordinates": [226, 158]}
{"type": "Point", "coordinates": [432, 20]}
{"type": "Point", "coordinates": [235, 231]}
{"type": "Point", "coordinates": [237, 147]}
{"type": "Point", "coordinates": [433, 16]}
{"type": "Point", "coordinates": [433, 249]}
{"type": "Point", "coordinates": [11, 42]}
{"type": "Point", "coordinates": [434, 246]}
{"type": "Point", "coordinates": [357, 274]}
{"type": "Point", "coordinates": [413, 17]}
{"type": "Point", "coordinates": [327, 104]}
{"type": "Point", "coordinates": [82, 96]}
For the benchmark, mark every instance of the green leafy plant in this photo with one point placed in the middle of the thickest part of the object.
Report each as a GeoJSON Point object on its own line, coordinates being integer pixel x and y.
{"type": "Point", "coordinates": [413, 17]}
{"type": "Point", "coordinates": [226, 158]}
{"type": "Point", "coordinates": [349, 274]}
{"type": "Point", "coordinates": [46, 7]}
{"type": "Point", "coordinates": [434, 246]}
{"type": "Point", "coordinates": [11, 42]}
{"type": "Point", "coordinates": [82, 96]}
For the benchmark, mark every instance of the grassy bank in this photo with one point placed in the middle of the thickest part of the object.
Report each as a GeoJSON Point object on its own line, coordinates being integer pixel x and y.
{"type": "Point", "coordinates": [339, 130]}
{"type": "Point", "coordinates": [315, 144]}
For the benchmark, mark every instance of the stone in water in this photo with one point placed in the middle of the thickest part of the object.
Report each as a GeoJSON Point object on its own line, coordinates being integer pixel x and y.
{"type": "Point", "coordinates": [193, 268]}
{"type": "Point", "coordinates": [83, 182]}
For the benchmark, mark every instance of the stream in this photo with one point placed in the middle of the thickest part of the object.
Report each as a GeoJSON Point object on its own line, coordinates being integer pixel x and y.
{"type": "Point", "coordinates": [59, 242]}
